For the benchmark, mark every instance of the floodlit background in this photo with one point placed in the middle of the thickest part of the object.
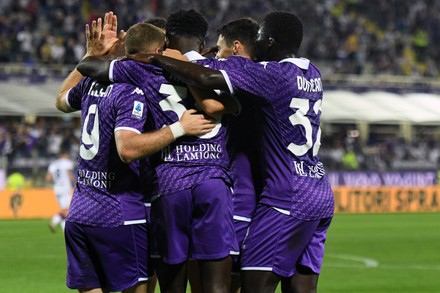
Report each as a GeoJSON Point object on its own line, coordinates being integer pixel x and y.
{"type": "Point", "coordinates": [380, 129]}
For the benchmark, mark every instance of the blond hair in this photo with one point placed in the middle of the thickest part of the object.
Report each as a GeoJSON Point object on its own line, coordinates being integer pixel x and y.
{"type": "Point", "coordinates": [144, 38]}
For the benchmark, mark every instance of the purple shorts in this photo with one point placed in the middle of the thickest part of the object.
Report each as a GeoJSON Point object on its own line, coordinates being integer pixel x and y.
{"type": "Point", "coordinates": [113, 259]}
{"type": "Point", "coordinates": [241, 227]}
{"type": "Point", "coordinates": [195, 223]}
{"type": "Point", "coordinates": [278, 242]}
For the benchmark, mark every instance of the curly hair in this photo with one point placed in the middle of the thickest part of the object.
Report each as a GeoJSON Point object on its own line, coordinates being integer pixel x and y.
{"type": "Point", "coordinates": [286, 28]}
{"type": "Point", "coordinates": [186, 23]}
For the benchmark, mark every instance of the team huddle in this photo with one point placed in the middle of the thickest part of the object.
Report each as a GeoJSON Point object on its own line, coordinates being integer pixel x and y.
{"type": "Point", "coordinates": [196, 163]}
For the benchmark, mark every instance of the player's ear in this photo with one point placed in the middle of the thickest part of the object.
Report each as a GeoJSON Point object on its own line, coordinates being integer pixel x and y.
{"type": "Point", "coordinates": [271, 42]}
{"type": "Point", "coordinates": [236, 47]}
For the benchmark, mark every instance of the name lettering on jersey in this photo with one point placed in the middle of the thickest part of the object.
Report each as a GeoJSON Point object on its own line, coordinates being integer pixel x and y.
{"type": "Point", "coordinates": [99, 90]}
{"type": "Point", "coordinates": [98, 179]}
{"type": "Point", "coordinates": [314, 85]}
{"type": "Point", "coordinates": [138, 109]}
{"type": "Point", "coordinates": [314, 171]}
{"type": "Point", "coordinates": [205, 151]}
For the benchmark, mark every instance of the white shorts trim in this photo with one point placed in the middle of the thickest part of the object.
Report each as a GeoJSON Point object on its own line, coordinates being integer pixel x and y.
{"type": "Point", "coordinates": [241, 218]}
{"type": "Point", "coordinates": [286, 212]}
{"type": "Point", "coordinates": [133, 222]}
{"type": "Point", "coordinates": [268, 269]}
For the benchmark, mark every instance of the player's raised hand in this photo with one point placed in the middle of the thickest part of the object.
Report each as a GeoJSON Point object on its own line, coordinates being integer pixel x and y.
{"type": "Point", "coordinates": [100, 40]}
{"type": "Point", "coordinates": [111, 35]}
{"type": "Point", "coordinates": [196, 124]}
{"type": "Point", "coordinates": [110, 27]}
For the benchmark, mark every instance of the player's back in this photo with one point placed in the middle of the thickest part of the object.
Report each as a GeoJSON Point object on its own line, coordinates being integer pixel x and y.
{"type": "Point", "coordinates": [289, 94]}
{"type": "Point", "coordinates": [108, 190]}
{"type": "Point", "coordinates": [189, 159]}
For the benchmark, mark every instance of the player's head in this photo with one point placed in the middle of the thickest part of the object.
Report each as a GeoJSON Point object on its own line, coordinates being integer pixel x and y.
{"type": "Point", "coordinates": [186, 30]}
{"type": "Point", "coordinates": [279, 36]}
{"type": "Point", "coordinates": [64, 153]}
{"type": "Point", "coordinates": [144, 38]}
{"type": "Point", "coordinates": [159, 22]}
{"type": "Point", "coordinates": [237, 37]}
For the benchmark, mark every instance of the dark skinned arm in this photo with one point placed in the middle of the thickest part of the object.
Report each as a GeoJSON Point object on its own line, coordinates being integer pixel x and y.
{"type": "Point", "coordinates": [189, 73]}
{"type": "Point", "coordinates": [95, 67]}
{"type": "Point", "coordinates": [213, 104]}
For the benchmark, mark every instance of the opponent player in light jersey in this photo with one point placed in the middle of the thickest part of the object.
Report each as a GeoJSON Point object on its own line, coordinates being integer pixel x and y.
{"type": "Point", "coordinates": [192, 211]}
{"type": "Point", "coordinates": [106, 230]}
{"type": "Point", "coordinates": [286, 236]}
{"type": "Point", "coordinates": [60, 173]}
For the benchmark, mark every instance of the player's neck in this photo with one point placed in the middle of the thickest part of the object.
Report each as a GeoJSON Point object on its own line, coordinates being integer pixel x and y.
{"type": "Point", "coordinates": [184, 44]}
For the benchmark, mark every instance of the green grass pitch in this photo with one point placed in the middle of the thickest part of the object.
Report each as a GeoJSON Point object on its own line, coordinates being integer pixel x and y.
{"type": "Point", "coordinates": [364, 253]}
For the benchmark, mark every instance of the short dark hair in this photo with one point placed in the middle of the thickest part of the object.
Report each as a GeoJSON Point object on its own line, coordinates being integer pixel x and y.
{"type": "Point", "coordinates": [159, 22]}
{"type": "Point", "coordinates": [188, 23]}
{"type": "Point", "coordinates": [243, 29]}
{"type": "Point", "coordinates": [286, 28]}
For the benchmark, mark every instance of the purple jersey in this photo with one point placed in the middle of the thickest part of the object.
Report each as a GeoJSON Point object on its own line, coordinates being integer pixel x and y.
{"type": "Point", "coordinates": [290, 95]}
{"type": "Point", "coordinates": [108, 192]}
{"type": "Point", "coordinates": [189, 160]}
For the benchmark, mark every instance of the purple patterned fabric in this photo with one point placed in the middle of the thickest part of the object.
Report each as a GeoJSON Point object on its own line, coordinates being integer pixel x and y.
{"type": "Point", "coordinates": [189, 160]}
{"type": "Point", "coordinates": [289, 94]}
{"type": "Point", "coordinates": [108, 192]}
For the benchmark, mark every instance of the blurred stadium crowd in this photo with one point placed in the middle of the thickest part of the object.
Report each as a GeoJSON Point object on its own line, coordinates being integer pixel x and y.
{"type": "Point", "coordinates": [396, 37]}
{"type": "Point", "coordinates": [30, 147]}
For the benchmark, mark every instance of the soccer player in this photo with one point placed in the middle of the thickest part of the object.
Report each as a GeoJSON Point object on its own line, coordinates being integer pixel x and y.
{"type": "Point", "coordinates": [285, 240]}
{"type": "Point", "coordinates": [106, 230]}
{"type": "Point", "coordinates": [192, 211]}
{"type": "Point", "coordinates": [60, 173]}
{"type": "Point", "coordinates": [237, 38]}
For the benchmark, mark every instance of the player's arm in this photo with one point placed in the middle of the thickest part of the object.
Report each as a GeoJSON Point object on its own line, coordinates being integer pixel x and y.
{"type": "Point", "coordinates": [190, 73]}
{"type": "Point", "coordinates": [212, 103]}
{"type": "Point", "coordinates": [101, 39]}
{"type": "Point", "coordinates": [71, 176]}
{"type": "Point", "coordinates": [49, 177]}
{"type": "Point", "coordinates": [132, 146]}
{"type": "Point", "coordinates": [95, 67]}
{"type": "Point", "coordinates": [215, 104]}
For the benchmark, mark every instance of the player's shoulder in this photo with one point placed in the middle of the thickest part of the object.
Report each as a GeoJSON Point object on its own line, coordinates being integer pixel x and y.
{"type": "Point", "coordinates": [122, 91]}
{"type": "Point", "coordinates": [232, 62]}
{"type": "Point", "coordinates": [132, 66]}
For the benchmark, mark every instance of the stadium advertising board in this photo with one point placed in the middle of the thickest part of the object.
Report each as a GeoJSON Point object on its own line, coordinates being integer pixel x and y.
{"type": "Point", "coordinates": [28, 204]}
{"type": "Point", "coordinates": [41, 203]}
{"type": "Point", "coordinates": [428, 178]}
{"type": "Point", "coordinates": [387, 199]}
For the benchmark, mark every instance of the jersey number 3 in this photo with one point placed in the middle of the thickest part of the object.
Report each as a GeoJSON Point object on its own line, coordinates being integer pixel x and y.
{"type": "Point", "coordinates": [300, 118]}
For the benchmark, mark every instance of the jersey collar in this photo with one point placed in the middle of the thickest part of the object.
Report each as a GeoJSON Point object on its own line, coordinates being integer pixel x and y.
{"type": "Point", "coordinates": [302, 63]}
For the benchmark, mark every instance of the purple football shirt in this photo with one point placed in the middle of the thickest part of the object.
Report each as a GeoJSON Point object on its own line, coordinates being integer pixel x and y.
{"type": "Point", "coordinates": [290, 94]}
{"type": "Point", "coordinates": [108, 192]}
{"type": "Point", "coordinates": [188, 160]}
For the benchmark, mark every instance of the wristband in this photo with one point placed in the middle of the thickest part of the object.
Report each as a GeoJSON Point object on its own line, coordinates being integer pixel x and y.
{"type": "Point", "coordinates": [177, 130]}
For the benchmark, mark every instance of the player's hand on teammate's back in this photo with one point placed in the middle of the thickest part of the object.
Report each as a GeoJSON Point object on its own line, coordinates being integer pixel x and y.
{"type": "Point", "coordinates": [196, 124]}
{"type": "Point", "coordinates": [176, 54]}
